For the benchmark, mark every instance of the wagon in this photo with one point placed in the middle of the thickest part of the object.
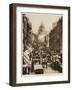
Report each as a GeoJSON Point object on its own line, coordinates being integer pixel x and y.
{"type": "Point", "coordinates": [38, 69]}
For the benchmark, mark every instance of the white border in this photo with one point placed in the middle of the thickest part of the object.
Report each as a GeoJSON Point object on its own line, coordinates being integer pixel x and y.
{"type": "Point", "coordinates": [41, 78]}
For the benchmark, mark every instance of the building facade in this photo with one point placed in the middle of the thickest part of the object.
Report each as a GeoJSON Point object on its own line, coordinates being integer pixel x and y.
{"type": "Point", "coordinates": [55, 37]}
{"type": "Point", "coordinates": [27, 27]}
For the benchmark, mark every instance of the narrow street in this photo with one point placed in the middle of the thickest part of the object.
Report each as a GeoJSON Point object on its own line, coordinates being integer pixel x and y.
{"type": "Point", "coordinates": [42, 51]}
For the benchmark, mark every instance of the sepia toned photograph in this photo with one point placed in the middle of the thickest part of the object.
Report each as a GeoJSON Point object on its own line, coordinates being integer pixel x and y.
{"type": "Point", "coordinates": [42, 43]}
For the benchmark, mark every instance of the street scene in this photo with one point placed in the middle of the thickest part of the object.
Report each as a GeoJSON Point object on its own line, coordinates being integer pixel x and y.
{"type": "Point", "coordinates": [42, 44]}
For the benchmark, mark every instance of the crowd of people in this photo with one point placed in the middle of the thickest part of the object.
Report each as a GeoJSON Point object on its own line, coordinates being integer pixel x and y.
{"type": "Point", "coordinates": [45, 57]}
{"type": "Point", "coordinates": [42, 57]}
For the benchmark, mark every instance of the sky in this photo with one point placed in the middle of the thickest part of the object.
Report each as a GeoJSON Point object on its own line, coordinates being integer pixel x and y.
{"type": "Point", "coordinates": [46, 19]}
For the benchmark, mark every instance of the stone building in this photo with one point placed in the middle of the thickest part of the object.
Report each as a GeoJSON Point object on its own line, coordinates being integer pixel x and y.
{"type": "Point", "coordinates": [55, 37]}
{"type": "Point", "coordinates": [27, 27]}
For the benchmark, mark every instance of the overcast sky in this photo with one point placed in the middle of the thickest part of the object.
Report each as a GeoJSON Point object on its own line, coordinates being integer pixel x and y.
{"type": "Point", "coordinates": [46, 19]}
